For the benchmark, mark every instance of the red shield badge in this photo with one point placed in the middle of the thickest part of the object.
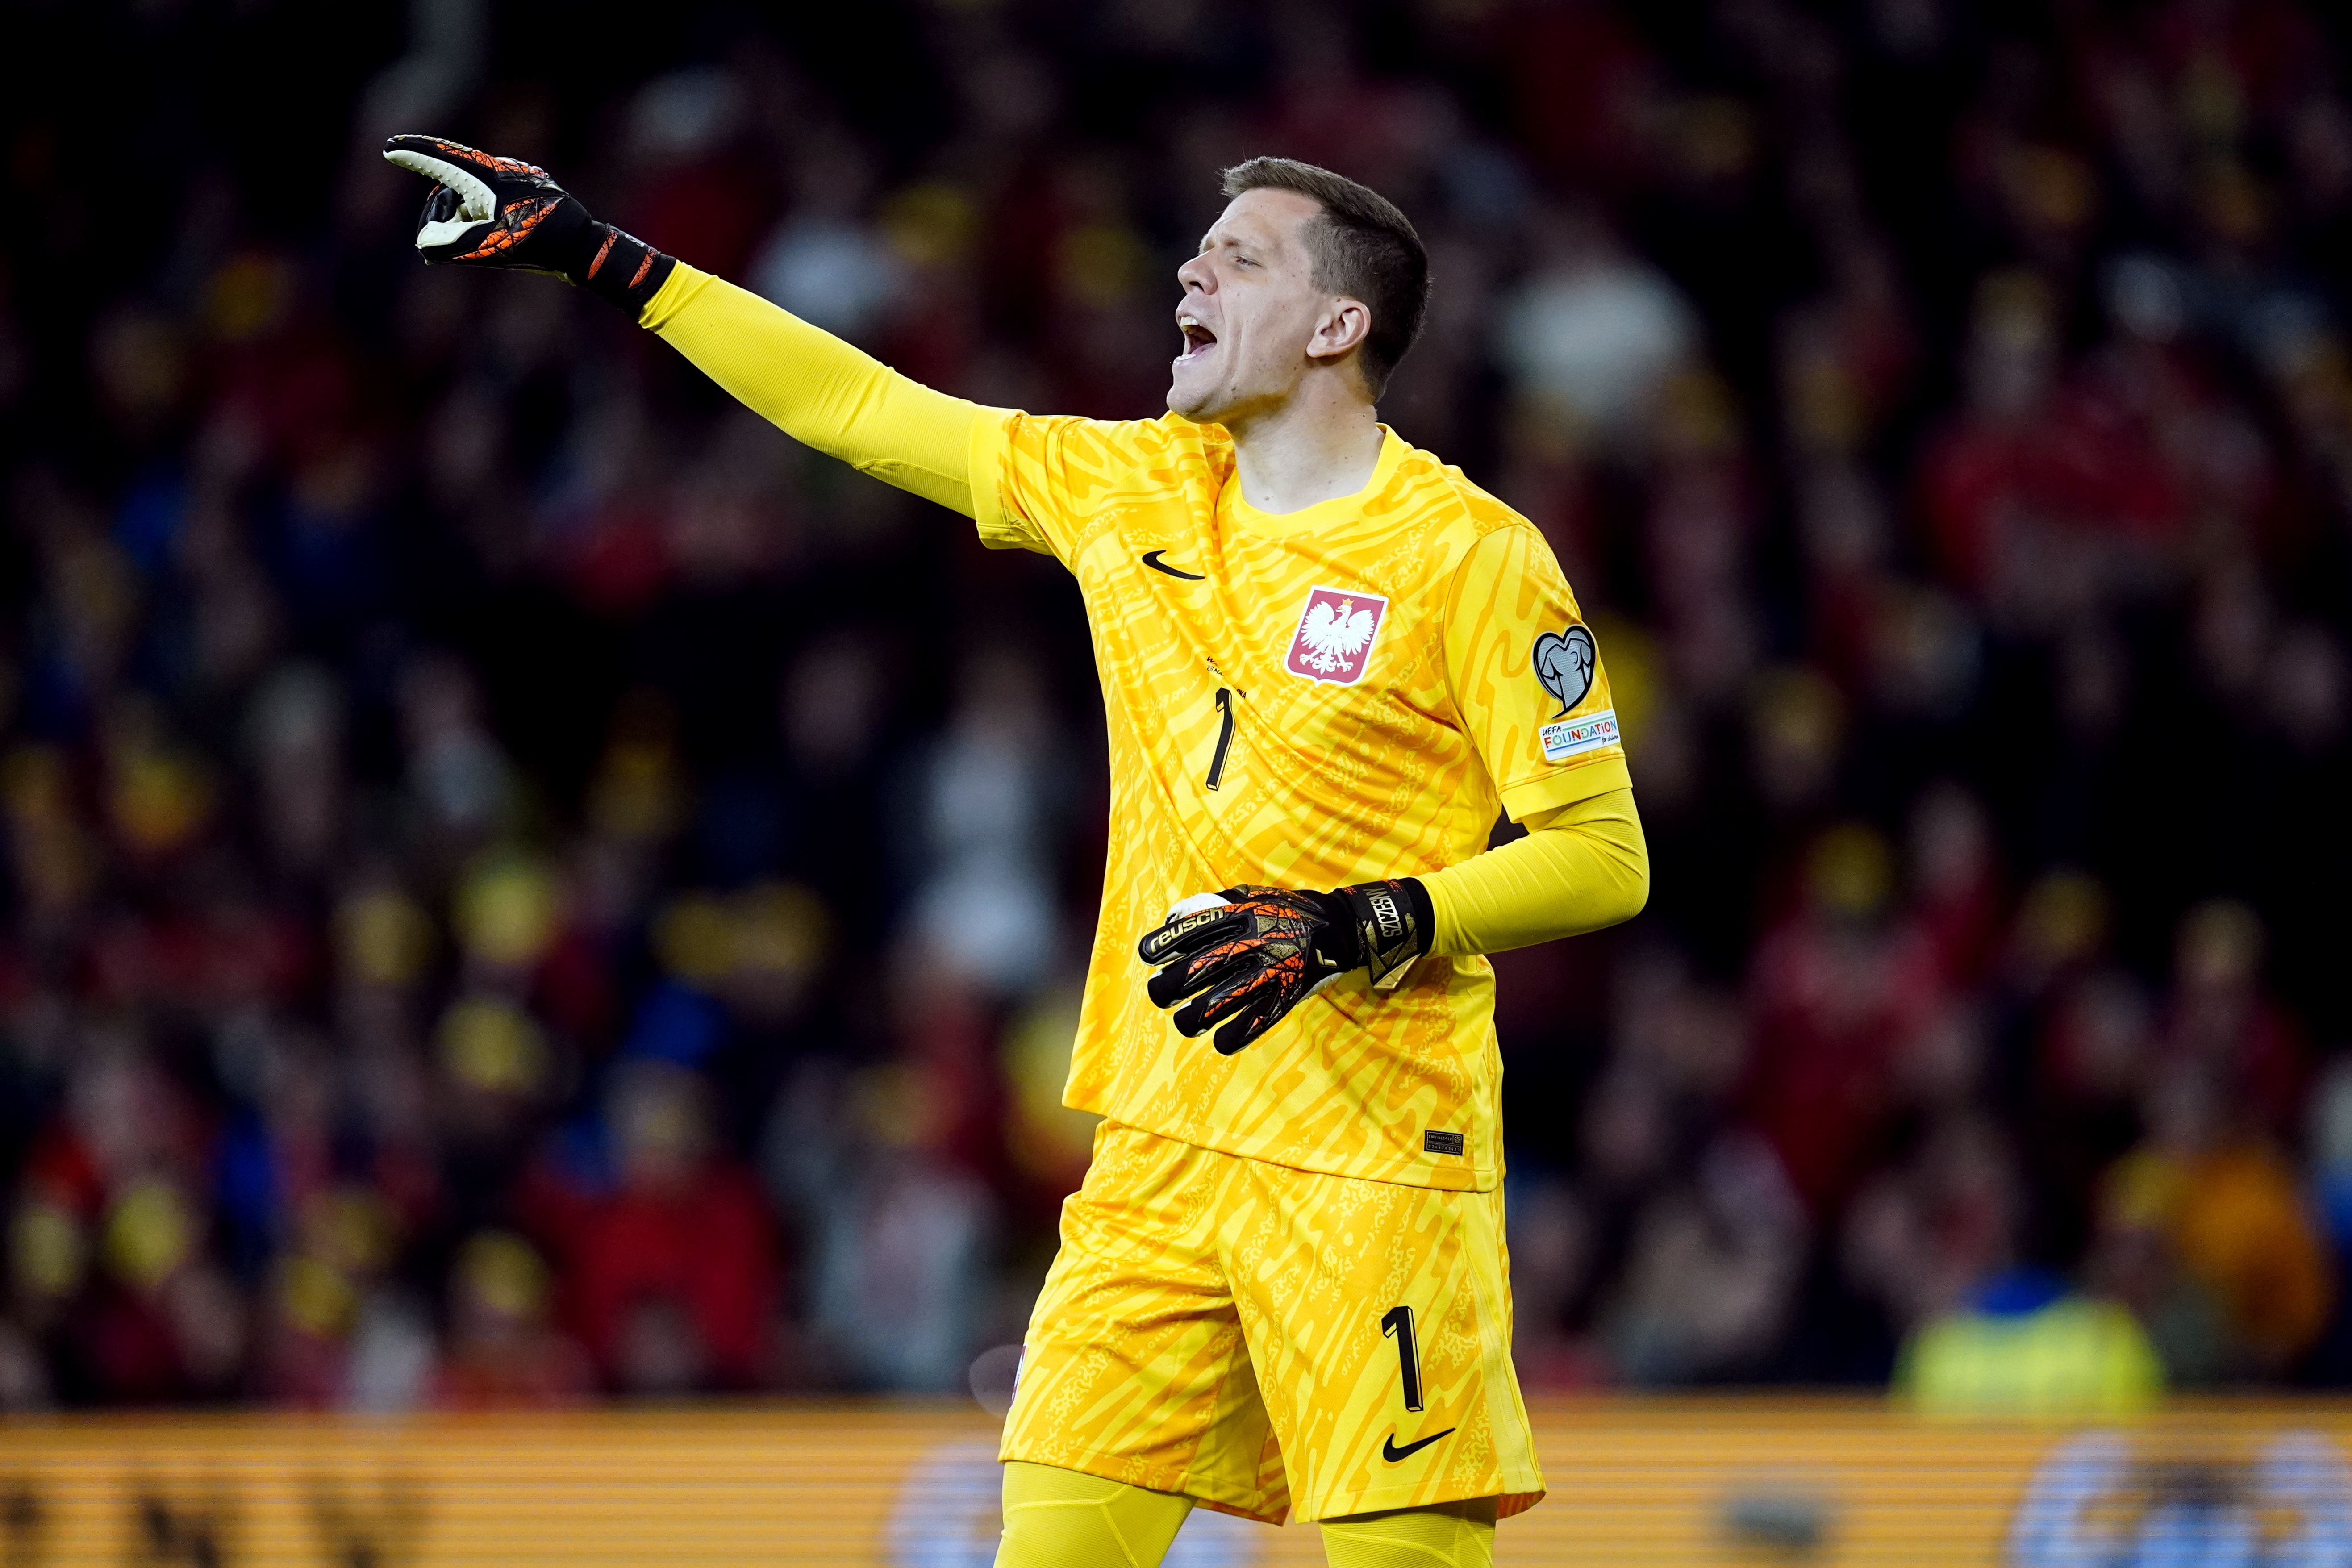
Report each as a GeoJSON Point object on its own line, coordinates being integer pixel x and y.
{"type": "Point", "coordinates": [1333, 639]}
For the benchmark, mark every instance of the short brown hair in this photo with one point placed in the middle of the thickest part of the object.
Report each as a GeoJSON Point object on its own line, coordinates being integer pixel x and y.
{"type": "Point", "coordinates": [1364, 249]}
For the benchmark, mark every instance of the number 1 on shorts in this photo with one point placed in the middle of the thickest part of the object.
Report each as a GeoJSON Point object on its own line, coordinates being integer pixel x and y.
{"type": "Point", "coordinates": [1399, 1322]}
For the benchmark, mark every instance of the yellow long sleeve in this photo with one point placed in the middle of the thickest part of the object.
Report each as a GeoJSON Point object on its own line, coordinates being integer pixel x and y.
{"type": "Point", "coordinates": [819, 390]}
{"type": "Point", "coordinates": [1582, 867]}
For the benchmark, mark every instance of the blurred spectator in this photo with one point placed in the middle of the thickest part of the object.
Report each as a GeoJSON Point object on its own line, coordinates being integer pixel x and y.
{"type": "Point", "coordinates": [1591, 332]}
{"type": "Point", "coordinates": [1711, 1273]}
{"type": "Point", "coordinates": [2207, 1230]}
{"type": "Point", "coordinates": [675, 1270]}
{"type": "Point", "coordinates": [1837, 991]}
{"type": "Point", "coordinates": [2025, 1345]}
{"type": "Point", "coordinates": [503, 1350]}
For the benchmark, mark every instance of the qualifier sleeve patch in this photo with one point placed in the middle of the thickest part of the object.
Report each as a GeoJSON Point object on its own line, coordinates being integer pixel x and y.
{"type": "Point", "coordinates": [1564, 662]}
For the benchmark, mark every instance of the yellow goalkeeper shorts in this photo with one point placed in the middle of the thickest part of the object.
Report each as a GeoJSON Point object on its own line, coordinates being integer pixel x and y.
{"type": "Point", "coordinates": [1268, 1340]}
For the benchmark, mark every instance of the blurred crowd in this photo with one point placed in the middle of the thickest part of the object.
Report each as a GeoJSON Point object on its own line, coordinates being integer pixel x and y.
{"type": "Point", "coordinates": [524, 886]}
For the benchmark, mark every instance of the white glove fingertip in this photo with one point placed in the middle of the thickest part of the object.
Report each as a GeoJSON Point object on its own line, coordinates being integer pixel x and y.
{"type": "Point", "coordinates": [475, 202]}
{"type": "Point", "coordinates": [448, 232]}
{"type": "Point", "coordinates": [1194, 905]}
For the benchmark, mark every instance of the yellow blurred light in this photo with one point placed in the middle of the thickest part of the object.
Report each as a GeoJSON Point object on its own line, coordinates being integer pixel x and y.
{"type": "Point", "coordinates": [1047, 1140]}
{"type": "Point", "coordinates": [149, 1234]}
{"type": "Point", "coordinates": [315, 1297]}
{"type": "Point", "coordinates": [504, 1273]}
{"type": "Point", "coordinates": [930, 224]}
{"type": "Point", "coordinates": [2065, 917]}
{"type": "Point", "coordinates": [1636, 677]}
{"type": "Point", "coordinates": [780, 928]}
{"type": "Point", "coordinates": [47, 1250]}
{"type": "Point", "coordinates": [636, 794]}
{"type": "Point", "coordinates": [1102, 263]}
{"type": "Point", "coordinates": [490, 1044]}
{"type": "Point", "coordinates": [385, 937]}
{"type": "Point", "coordinates": [160, 801]}
{"type": "Point", "coordinates": [506, 909]}
{"type": "Point", "coordinates": [1851, 871]}
{"type": "Point", "coordinates": [694, 936]}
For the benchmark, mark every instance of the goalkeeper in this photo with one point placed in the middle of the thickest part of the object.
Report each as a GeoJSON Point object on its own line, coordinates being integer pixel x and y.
{"type": "Point", "coordinates": [1327, 662]}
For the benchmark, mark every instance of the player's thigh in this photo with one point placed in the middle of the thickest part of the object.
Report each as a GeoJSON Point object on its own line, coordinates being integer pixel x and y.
{"type": "Point", "coordinates": [1134, 1366]}
{"type": "Point", "coordinates": [1379, 1321]}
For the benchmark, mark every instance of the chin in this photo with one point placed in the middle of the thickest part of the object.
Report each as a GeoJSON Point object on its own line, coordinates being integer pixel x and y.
{"type": "Point", "coordinates": [1201, 404]}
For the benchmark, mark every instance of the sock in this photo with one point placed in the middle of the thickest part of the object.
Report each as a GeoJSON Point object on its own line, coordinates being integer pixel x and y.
{"type": "Point", "coordinates": [1443, 1535]}
{"type": "Point", "coordinates": [1063, 1519]}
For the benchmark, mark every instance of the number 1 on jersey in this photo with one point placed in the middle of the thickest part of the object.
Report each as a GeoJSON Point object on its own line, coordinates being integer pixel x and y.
{"type": "Point", "coordinates": [1225, 736]}
{"type": "Point", "coordinates": [1399, 1322]}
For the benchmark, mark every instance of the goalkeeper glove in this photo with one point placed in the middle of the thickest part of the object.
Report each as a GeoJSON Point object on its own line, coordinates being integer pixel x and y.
{"type": "Point", "coordinates": [1250, 955]}
{"type": "Point", "coordinates": [502, 212]}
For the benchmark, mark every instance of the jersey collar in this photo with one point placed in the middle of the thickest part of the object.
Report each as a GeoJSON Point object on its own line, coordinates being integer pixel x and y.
{"type": "Point", "coordinates": [1323, 514]}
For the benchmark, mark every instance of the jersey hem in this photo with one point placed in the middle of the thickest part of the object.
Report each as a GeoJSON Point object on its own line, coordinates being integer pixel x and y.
{"type": "Point", "coordinates": [1512, 1495]}
{"type": "Point", "coordinates": [1579, 781]}
{"type": "Point", "coordinates": [1407, 1171]}
{"type": "Point", "coordinates": [1150, 1477]}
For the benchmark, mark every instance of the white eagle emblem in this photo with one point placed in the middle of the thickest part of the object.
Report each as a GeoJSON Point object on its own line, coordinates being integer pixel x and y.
{"type": "Point", "coordinates": [1335, 634]}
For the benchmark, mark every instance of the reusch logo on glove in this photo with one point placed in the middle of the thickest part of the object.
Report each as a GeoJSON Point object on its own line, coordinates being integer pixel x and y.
{"type": "Point", "coordinates": [1333, 639]}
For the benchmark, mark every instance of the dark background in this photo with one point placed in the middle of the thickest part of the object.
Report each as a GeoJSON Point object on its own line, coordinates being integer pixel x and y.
{"type": "Point", "coordinates": [524, 885]}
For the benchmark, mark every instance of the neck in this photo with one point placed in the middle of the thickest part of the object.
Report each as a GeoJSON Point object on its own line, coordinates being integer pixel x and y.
{"type": "Point", "coordinates": [1318, 444]}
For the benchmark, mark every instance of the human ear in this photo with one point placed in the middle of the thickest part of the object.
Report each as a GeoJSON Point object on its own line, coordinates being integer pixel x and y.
{"type": "Point", "coordinates": [1344, 325]}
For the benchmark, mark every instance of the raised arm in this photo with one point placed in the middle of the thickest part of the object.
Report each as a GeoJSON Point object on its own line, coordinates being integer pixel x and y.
{"type": "Point", "coordinates": [487, 211]}
{"type": "Point", "coordinates": [821, 391]}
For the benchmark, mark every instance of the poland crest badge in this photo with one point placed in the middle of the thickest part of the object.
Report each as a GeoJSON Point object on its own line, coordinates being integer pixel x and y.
{"type": "Point", "coordinates": [1333, 639]}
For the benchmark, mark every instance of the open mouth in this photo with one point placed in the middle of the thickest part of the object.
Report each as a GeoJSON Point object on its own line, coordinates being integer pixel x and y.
{"type": "Point", "coordinates": [1198, 338]}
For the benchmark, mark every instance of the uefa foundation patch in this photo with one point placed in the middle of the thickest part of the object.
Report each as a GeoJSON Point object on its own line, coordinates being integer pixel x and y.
{"type": "Point", "coordinates": [1568, 738]}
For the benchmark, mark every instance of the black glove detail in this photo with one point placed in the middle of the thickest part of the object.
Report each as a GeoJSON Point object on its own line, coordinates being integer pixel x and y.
{"type": "Point", "coordinates": [1246, 962]}
{"type": "Point", "coordinates": [487, 211]}
{"type": "Point", "coordinates": [1394, 922]}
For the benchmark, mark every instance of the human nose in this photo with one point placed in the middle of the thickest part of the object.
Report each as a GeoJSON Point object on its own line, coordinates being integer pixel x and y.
{"type": "Point", "coordinates": [1195, 274]}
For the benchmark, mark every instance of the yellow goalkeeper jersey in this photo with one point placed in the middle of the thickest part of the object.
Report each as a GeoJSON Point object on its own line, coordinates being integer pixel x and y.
{"type": "Point", "coordinates": [1328, 696]}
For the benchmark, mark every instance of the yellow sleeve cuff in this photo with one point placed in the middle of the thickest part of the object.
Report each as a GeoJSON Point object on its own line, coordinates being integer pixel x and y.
{"type": "Point", "coordinates": [682, 285]}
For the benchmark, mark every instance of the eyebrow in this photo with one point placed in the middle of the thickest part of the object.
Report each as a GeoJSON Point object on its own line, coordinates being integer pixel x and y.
{"type": "Point", "coordinates": [1210, 238]}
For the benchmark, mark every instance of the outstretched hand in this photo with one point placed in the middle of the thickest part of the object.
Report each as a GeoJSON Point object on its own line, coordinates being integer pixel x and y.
{"type": "Point", "coordinates": [488, 211]}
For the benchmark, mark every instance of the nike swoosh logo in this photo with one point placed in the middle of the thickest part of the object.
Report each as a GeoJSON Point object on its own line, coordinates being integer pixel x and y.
{"type": "Point", "coordinates": [1152, 559]}
{"type": "Point", "coordinates": [1392, 1453]}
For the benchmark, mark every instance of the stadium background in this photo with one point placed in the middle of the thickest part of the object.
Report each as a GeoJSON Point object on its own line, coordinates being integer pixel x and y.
{"type": "Point", "coordinates": [524, 887]}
